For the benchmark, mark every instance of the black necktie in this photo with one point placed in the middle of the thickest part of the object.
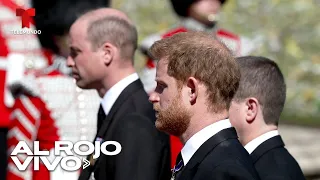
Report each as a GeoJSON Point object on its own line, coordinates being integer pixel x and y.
{"type": "Point", "coordinates": [178, 167]}
{"type": "Point", "coordinates": [101, 117]}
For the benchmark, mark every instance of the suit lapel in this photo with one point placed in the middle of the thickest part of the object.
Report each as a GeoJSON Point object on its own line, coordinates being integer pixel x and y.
{"type": "Point", "coordinates": [205, 148]}
{"type": "Point", "coordinates": [269, 144]}
{"type": "Point", "coordinates": [125, 94]}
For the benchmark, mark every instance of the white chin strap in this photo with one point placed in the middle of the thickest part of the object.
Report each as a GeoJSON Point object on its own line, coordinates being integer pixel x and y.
{"type": "Point", "coordinates": [213, 17]}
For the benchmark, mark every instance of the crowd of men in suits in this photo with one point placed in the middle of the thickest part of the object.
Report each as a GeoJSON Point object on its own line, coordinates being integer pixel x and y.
{"type": "Point", "coordinates": [223, 109]}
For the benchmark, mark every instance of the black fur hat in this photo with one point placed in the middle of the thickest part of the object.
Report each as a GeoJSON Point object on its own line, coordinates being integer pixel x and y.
{"type": "Point", "coordinates": [54, 18]}
{"type": "Point", "coordinates": [181, 6]}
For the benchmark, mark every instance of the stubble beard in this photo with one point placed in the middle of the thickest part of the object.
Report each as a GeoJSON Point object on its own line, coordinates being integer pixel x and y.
{"type": "Point", "coordinates": [173, 120]}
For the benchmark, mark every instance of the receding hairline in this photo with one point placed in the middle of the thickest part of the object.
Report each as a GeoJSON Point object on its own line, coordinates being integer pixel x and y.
{"type": "Point", "coordinates": [101, 13]}
{"type": "Point", "coordinates": [90, 17]}
{"type": "Point", "coordinates": [100, 27]}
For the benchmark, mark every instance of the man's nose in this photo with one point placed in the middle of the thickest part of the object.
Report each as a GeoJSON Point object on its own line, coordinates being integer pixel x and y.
{"type": "Point", "coordinates": [70, 61]}
{"type": "Point", "coordinates": [153, 97]}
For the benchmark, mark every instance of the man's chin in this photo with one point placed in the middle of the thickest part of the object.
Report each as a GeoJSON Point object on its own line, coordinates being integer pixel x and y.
{"type": "Point", "coordinates": [166, 128]}
{"type": "Point", "coordinates": [81, 85]}
{"type": "Point", "coordinates": [160, 126]}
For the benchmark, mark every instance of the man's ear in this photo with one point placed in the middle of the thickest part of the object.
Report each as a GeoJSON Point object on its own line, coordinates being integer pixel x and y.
{"type": "Point", "coordinates": [108, 52]}
{"type": "Point", "coordinates": [193, 89]}
{"type": "Point", "coordinates": [252, 108]}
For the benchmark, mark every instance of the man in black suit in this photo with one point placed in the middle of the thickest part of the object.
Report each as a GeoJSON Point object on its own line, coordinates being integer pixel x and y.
{"type": "Point", "coordinates": [197, 77]}
{"type": "Point", "coordinates": [255, 112]}
{"type": "Point", "coordinates": [102, 45]}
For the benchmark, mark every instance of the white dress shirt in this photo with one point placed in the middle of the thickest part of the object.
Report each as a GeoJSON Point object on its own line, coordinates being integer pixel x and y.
{"type": "Point", "coordinates": [114, 92]}
{"type": "Point", "coordinates": [194, 143]}
{"type": "Point", "coordinates": [252, 145]}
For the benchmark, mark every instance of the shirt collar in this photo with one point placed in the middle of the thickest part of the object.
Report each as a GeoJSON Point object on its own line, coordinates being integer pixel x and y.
{"type": "Point", "coordinates": [194, 143]}
{"type": "Point", "coordinates": [113, 93]}
{"type": "Point", "coordinates": [252, 145]}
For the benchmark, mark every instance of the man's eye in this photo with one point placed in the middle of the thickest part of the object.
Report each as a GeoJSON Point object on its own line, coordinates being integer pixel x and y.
{"type": "Point", "coordinates": [73, 54]}
{"type": "Point", "coordinates": [160, 87]}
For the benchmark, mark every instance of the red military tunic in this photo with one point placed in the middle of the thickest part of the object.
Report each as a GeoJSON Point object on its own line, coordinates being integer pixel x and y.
{"type": "Point", "coordinates": [26, 44]}
{"type": "Point", "coordinates": [51, 106]}
{"type": "Point", "coordinates": [28, 47]}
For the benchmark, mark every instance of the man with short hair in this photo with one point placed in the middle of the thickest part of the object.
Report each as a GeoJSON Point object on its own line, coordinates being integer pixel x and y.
{"type": "Point", "coordinates": [197, 77]}
{"type": "Point", "coordinates": [255, 112]}
{"type": "Point", "coordinates": [102, 45]}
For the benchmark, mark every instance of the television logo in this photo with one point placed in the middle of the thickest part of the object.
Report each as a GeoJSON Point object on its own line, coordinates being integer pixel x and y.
{"type": "Point", "coordinates": [62, 146]}
{"type": "Point", "coordinates": [26, 19]}
{"type": "Point", "coordinates": [26, 16]}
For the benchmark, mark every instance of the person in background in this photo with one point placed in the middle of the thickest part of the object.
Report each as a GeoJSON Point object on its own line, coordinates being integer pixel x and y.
{"type": "Point", "coordinates": [48, 106]}
{"type": "Point", "coordinates": [193, 106]}
{"type": "Point", "coordinates": [255, 112]}
{"type": "Point", "coordinates": [11, 45]}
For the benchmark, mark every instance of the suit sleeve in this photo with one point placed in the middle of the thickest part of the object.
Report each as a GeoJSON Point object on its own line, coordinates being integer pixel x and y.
{"type": "Point", "coordinates": [141, 154]}
{"type": "Point", "coordinates": [229, 171]}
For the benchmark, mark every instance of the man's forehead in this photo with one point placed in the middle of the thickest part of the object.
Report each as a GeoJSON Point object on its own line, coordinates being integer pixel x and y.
{"type": "Point", "coordinates": [78, 29]}
{"type": "Point", "coordinates": [77, 35]}
{"type": "Point", "coordinates": [76, 45]}
{"type": "Point", "coordinates": [162, 67]}
{"type": "Point", "coordinates": [162, 64]}
{"type": "Point", "coordinates": [73, 41]}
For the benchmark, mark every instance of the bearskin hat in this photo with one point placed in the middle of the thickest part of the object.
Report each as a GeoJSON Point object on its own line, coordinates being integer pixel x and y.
{"type": "Point", "coordinates": [54, 18]}
{"type": "Point", "coordinates": [181, 6]}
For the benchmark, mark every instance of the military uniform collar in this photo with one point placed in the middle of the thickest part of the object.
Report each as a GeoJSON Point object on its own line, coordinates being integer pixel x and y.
{"type": "Point", "coordinates": [195, 25]}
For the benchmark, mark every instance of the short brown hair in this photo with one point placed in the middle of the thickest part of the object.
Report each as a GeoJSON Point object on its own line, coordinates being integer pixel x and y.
{"type": "Point", "coordinates": [200, 55]}
{"type": "Point", "coordinates": [117, 31]}
{"type": "Point", "coordinates": [261, 78]}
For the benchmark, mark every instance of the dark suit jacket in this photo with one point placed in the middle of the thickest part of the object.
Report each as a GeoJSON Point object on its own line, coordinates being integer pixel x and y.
{"type": "Point", "coordinates": [145, 153]}
{"type": "Point", "coordinates": [273, 161]}
{"type": "Point", "coordinates": [221, 157]}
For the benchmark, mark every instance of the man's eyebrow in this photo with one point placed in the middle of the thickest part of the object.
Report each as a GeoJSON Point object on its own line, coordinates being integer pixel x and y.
{"type": "Point", "coordinates": [72, 48]}
{"type": "Point", "coordinates": [158, 80]}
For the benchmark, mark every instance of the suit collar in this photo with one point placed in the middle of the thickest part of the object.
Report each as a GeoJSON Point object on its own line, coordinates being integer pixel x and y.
{"type": "Point", "coordinates": [253, 144]}
{"type": "Point", "coordinates": [266, 146]}
{"type": "Point", "coordinates": [209, 145]}
{"type": "Point", "coordinates": [125, 94]}
{"type": "Point", "coordinates": [114, 92]}
{"type": "Point", "coordinates": [193, 144]}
